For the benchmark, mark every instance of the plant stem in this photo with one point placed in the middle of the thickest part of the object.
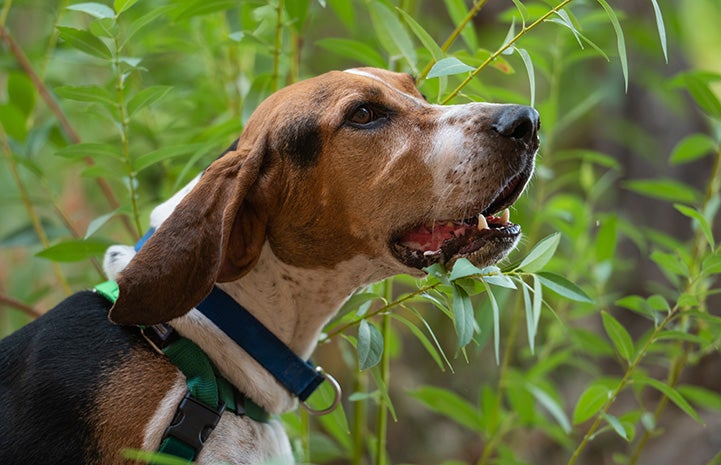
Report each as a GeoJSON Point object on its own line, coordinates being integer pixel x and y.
{"type": "Point", "coordinates": [124, 120]}
{"type": "Point", "coordinates": [622, 384]}
{"type": "Point", "coordinates": [277, 46]}
{"type": "Point", "coordinates": [679, 363]}
{"type": "Point", "coordinates": [30, 208]}
{"type": "Point", "coordinates": [454, 35]}
{"type": "Point", "coordinates": [503, 48]}
{"type": "Point", "coordinates": [23, 307]}
{"type": "Point", "coordinates": [52, 104]}
{"type": "Point", "coordinates": [305, 434]}
{"type": "Point", "coordinates": [381, 435]}
{"type": "Point", "coordinates": [359, 418]}
{"type": "Point", "coordinates": [382, 309]}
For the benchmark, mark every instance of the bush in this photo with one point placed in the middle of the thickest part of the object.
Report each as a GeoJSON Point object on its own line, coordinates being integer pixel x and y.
{"type": "Point", "coordinates": [594, 343]}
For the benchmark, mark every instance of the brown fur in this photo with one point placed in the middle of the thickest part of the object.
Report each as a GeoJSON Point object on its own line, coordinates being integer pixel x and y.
{"type": "Point", "coordinates": [129, 398]}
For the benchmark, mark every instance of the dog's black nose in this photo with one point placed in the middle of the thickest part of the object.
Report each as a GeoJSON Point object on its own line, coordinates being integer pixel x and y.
{"type": "Point", "coordinates": [517, 122]}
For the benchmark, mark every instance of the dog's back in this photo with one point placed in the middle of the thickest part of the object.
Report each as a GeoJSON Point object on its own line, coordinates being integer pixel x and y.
{"type": "Point", "coordinates": [52, 373]}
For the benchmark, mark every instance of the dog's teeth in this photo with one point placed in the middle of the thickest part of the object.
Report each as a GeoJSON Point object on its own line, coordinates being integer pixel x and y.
{"type": "Point", "coordinates": [482, 223]}
{"type": "Point", "coordinates": [429, 253]}
{"type": "Point", "coordinates": [505, 216]}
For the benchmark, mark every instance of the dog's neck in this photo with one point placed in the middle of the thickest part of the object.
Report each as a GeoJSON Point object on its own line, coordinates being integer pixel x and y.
{"type": "Point", "coordinates": [293, 303]}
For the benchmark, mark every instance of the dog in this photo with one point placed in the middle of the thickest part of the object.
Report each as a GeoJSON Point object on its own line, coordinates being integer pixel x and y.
{"type": "Point", "coordinates": [335, 182]}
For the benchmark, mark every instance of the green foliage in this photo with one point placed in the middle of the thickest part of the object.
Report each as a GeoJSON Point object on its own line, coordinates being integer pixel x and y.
{"type": "Point", "coordinates": [106, 109]}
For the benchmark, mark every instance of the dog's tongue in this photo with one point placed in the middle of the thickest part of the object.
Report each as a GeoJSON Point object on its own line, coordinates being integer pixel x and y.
{"type": "Point", "coordinates": [430, 237]}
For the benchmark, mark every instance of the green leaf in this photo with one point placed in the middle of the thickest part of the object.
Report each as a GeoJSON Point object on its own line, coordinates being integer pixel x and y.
{"type": "Point", "coordinates": [591, 401]}
{"type": "Point", "coordinates": [537, 302]}
{"type": "Point", "coordinates": [123, 5]}
{"type": "Point", "coordinates": [297, 12]}
{"type": "Point", "coordinates": [140, 23]}
{"type": "Point", "coordinates": [463, 319]}
{"type": "Point", "coordinates": [670, 263]}
{"type": "Point", "coordinates": [74, 250]}
{"type": "Point", "coordinates": [92, 94]}
{"type": "Point", "coordinates": [563, 287]}
{"type": "Point", "coordinates": [104, 27]}
{"type": "Point", "coordinates": [565, 20]}
{"type": "Point", "coordinates": [425, 342]}
{"type": "Point", "coordinates": [165, 153]}
{"type": "Point", "coordinates": [531, 328]}
{"type": "Point", "coordinates": [146, 97]}
{"type": "Point", "coordinates": [89, 149]}
{"type": "Point", "coordinates": [13, 121]}
{"type": "Point", "coordinates": [700, 221]}
{"type": "Point", "coordinates": [672, 394]}
{"type": "Point", "coordinates": [97, 223]}
{"type": "Point", "coordinates": [661, 29]}
{"type": "Point", "coordinates": [370, 345]}
{"type": "Point", "coordinates": [665, 189]}
{"type": "Point", "coordinates": [422, 35]}
{"type": "Point", "coordinates": [619, 336]}
{"type": "Point", "coordinates": [702, 397]}
{"type": "Point", "coordinates": [499, 279]}
{"type": "Point", "coordinates": [458, 12]}
{"type": "Point", "coordinates": [448, 66]}
{"type": "Point", "coordinates": [606, 239]}
{"type": "Point", "coordinates": [617, 426]}
{"type": "Point", "coordinates": [394, 37]}
{"type": "Point", "coordinates": [692, 148]}
{"type": "Point", "coordinates": [85, 42]}
{"type": "Point", "coordinates": [541, 253]}
{"type": "Point", "coordinates": [464, 268]}
{"type": "Point", "coordinates": [528, 63]}
{"type": "Point", "coordinates": [451, 406]}
{"type": "Point", "coordinates": [353, 49]}
{"type": "Point", "coordinates": [496, 324]}
{"type": "Point", "coordinates": [97, 10]}
{"type": "Point", "coordinates": [698, 86]}
{"type": "Point", "coordinates": [21, 92]}
{"type": "Point", "coordinates": [191, 8]}
{"type": "Point", "coordinates": [620, 41]}
{"type": "Point", "coordinates": [550, 404]}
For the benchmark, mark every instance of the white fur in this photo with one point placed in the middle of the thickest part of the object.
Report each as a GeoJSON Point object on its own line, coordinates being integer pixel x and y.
{"type": "Point", "coordinates": [164, 414]}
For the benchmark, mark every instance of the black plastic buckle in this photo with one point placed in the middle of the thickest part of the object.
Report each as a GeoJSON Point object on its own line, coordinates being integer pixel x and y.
{"type": "Point", "coordinates": [194, 421]}
{"type": "Point", "coordinates": [159, 336]}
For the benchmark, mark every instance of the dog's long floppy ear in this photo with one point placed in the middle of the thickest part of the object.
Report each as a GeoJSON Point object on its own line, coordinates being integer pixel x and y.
{"type": "Point", "coordinates": [212, 235]}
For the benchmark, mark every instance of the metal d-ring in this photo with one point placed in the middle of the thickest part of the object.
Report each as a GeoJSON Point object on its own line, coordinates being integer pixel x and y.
{"type": "Point", "coordinates": [336, 399]}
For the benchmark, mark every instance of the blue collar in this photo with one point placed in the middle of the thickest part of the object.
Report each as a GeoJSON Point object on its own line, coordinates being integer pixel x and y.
{"type": "Point", "coordinates": [298, 376]}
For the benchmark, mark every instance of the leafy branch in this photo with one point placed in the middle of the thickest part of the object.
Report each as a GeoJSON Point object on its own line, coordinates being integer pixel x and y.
{"type": "Point", "coordinates": [524, 30]}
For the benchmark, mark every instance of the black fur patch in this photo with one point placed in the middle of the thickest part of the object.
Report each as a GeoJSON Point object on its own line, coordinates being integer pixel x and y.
{"type": "Point", "coordinates": [233, 147]}
{"type": "Point", "coordinates": [50, 371]}
{"type": "Point", "coordinates": [300, 141]}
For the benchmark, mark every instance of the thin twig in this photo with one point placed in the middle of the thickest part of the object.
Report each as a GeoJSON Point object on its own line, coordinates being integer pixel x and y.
{"type": "Point", "coordinates": [16, 304]}
{"type": "Point", "coordinates": [503, 48]}
{"type": "Point", "coordinates": [29, 207]}
{"type": "Point", "coordinates": [54, 107]}
{"type": "Point", "coordinates": [453, 36]}
{"type": "Point", "coordinates": [276, 50]}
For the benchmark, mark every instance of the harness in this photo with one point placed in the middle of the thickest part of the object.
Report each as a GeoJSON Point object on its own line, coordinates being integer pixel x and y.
{"type": "Point", "coordinates": [209, 394]}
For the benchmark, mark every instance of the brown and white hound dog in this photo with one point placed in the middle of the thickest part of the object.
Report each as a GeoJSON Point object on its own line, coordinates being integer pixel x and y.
{"type": "Point", "coordinates": [335, 182]}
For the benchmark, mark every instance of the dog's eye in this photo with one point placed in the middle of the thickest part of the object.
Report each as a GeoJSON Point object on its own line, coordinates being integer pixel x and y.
{"type": "Point", "coordinates": [362, 115]}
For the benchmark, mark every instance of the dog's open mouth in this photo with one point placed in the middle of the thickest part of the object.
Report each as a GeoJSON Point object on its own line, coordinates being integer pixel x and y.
{"type": "Point", "coordinates": [483, 238]}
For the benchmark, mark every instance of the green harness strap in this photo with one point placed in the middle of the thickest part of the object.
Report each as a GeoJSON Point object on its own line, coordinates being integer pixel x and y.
{"type": "Point", "coordinates": [205, 386]}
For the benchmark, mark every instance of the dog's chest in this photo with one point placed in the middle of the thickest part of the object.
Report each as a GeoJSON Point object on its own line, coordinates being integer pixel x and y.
{"type": "Point", "coordinates": [239, 440]}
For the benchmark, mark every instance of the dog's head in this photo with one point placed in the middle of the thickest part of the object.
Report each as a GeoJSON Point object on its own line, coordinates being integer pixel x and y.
{"type": "Point", "coordinates": [346, 164]}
